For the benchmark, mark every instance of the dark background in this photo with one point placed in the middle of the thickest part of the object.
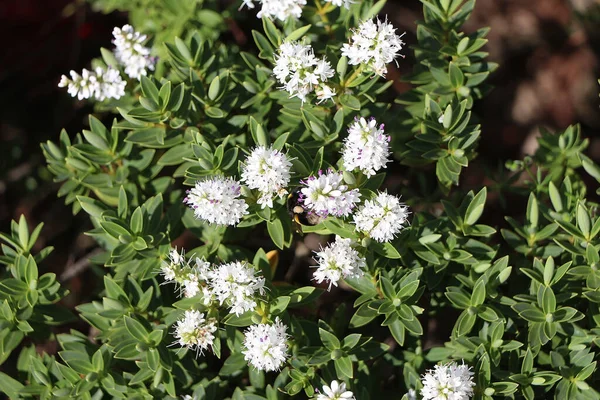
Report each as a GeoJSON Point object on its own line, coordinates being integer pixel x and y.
{"type": "Point", "coordinates": [548, 51]}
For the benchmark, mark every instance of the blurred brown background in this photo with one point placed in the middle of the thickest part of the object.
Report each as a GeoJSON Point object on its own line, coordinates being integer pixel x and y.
{"type": "Point", "coordinates": [548, 51]}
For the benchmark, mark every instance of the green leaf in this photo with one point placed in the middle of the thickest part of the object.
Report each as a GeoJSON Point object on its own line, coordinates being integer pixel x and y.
{"type": "Point", "coordinates": [457, 78]}
{"type": "Point", "coordinates": [298, 33]}
{"type": "Point", "coordinates": [136, 329]}
{"type": "Point", "coordinates": [10, 386]}
{"type": "Point", "coordinates": [149, 89]}
{"type": "Point", "coordinates": [330, 341]}
{"type": "Point", "coordinates": [475, 208]}
{"type": "Point", "coordinates": [386, 249]}
{"type": "Point", "coordinates": [214, 88]}
{"type": "Point", "coordinates": [275, 229]}
{"type": "Point", "coordinates": [583, 220]}
{"type": "Point", "coordinates": [350, 102]}
{"type": "Point", "coordinates": [478, 296]}
{"type": "Point", "coordinates": [235, 363]}
{"type": "Point", "coordinates": [343, 367]}
{"type": "Point", "coordinates": [548, 300]}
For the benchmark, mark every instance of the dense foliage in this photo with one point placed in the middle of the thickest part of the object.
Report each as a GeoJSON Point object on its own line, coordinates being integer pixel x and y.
{"type": "Point", "coordinates": [188, 116]}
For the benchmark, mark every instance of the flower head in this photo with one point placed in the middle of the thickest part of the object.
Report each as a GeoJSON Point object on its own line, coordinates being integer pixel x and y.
{"type": "Point", "coordinates": [338, 260]}
{"type": "Point", "coordinates": [366, 147]}
{"type": "Point", "coordinates": [335, 391]}
{"type": "Point", "coordinates": [236, 285]}
{"type": "Point", "coordinates": [267, 170]}
{"type": "Point", "coordinates": [374, 44]}
{"type": "Point", "coordinates": [191, 279]}
{"type": "Point", "coordinates": [301, 72]}
{"type": "Point", "coordinates": [131, 52]}
{"type": "Point", "coordinates": [381, 218]}
{"type": "Point", "coordinates": [100, 84]}
{"type": "Point", "coordinates": [265, 346]}
{"type": "Point", "coordinates": [216, 200]}
{"type": "Point", "coordinates": [194, 332]}
{"type": "Point", "coordinates": [327, 194]}
{"type": "Point", "coordinates": [280, 9]}
{"type": "Point", "coordinates": [448, 382]}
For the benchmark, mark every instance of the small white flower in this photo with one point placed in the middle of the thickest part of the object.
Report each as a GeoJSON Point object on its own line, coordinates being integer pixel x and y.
{"type": "Point", "coordinates": [366, 147]}
{"type": "Point", "coordinates": [216, 201]}
{"type": "Point", "coordinates": [448, 382]}
{"type": "Point", "coordinates": [335, 391]}
{"type": "Point", "coordinates": [339, 3]}
{"type": "Point", "coordinates": [381, 218]}
{"type": "Point", "coordinates": [327, 194]}
{"type": "Point", "coordinates": [194, 332]}
{"type": "Point", "coordinates": [338, 260]}
{"type": "Point", "coordinates": [324, 93]}
{"type": "Point", "coordinates": [267, 170]}
{"type": "Point", "coordinates": [172, 269]}
{"type": "Point", "coordinates": [411, 394]}
{"type": "Point", "coordinates": [280, 9]}
{"type": "Point", "coordinates": [100, 84]}
{"type": "Point", "coordinates": [236, 285]}
{"type": "Point", "coordinates": [265, 346]}
{"type": "Point", "coordinates": [301, 72]}
{"type": "Point", "coordinates": [374, 44]}
{"type": "Point", "coordinates": [131, 52]}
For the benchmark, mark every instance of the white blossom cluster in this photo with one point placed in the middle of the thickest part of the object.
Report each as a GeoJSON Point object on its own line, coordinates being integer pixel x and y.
{"type": "Point", "coordinates": [335, 391]}
{"type": "Point", "coordinates": [131, 52]}
{"type": "Point", "coordinates": [366, 148]}
{"type": "Point", "coordinates": [326, 194]}
{"type": "Point", "coordinates": [338, 260]}
{"type": "Point", "coordinates": [100, 84]}
{"type": "Point", "coordinates": [374, 44]}
{"type": "Point", "coordinates": [191, 279]}
{"type": "Point", "coordinates": [268, 171]}
{"type": "Point", "coordinates": [236, 285]}
{"type": "Point", "coordinates": [280, 9]}
{"type": "Point", "coordinates": [216, 200]}
{"type": "Point", "coordinates": [265, 345]}
{"type": "Point", "coordinates": [448, 382]}
{"type": "Point", "coordinates": [300, 71]}
{"type": "Point", "coordinates": [194, 331]}
{"type": "Point", "coordinates": [106, 83]}
{"type": "Point", "coordinates": [381, 218]}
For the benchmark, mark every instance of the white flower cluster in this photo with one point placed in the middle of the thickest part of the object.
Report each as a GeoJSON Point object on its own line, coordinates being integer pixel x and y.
{"type": "Point", "coordinates": [381, 218]}
{"type": "Point", "coordinates": [236, 284]}
{"type": "Point", "coordinates": [300, 71]}
{"type": "Point", "coordinates": [107, 83]}
{"type": "Point", "coordinates": [338, 260]}
{"type": "Point", "coordinates": [335, 391]}
{"type": "Point", "coordinates": [216, 200]}
{"type": "Point", "coordinates": [265, 346]}
{"type": "Point", "coordinates": [448, 382]}
{"type": "Point", "coordinates": [374, 44]}
{"type": "Point", "coordinates": [267, 170]}
{"type": "Point", "coordinates": [131, 52]}
{"type": "Point", "coordinates": [190, 278]}
{"type": "Point", "coordinates": [366, 147]}
{"type": "Point", "coordinates": [280, 9]}
{"type": "Point", "coordinates": [194, 331]}
{"type": "Point", "coordinates": [100, 84]}
{"type": "Point", "coordinates": [327, 194]}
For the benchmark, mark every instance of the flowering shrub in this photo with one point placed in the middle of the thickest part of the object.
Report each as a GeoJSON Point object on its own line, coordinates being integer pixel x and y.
{"type": "Point", "coordinates": [254, 148]}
